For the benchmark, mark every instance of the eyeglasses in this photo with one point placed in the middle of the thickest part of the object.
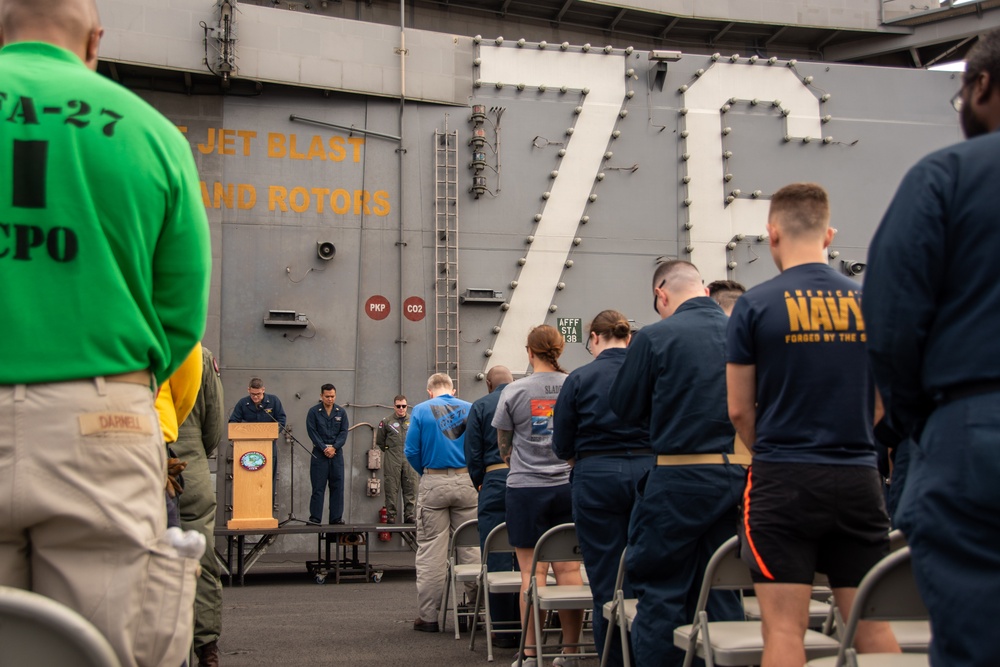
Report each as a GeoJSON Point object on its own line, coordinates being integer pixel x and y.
{"type": "Point", "coordinates": [655, 298]}
{"type": "Point", "coordinates": [586, 345]}
{"type": "Point", "coordinates": [256, 393]}
{"type": "Point", "coordinates": [956, 100]}
{"type": "Point", "coordinates": [400, 406]}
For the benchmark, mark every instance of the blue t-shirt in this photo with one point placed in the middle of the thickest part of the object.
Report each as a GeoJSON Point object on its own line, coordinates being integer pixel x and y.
{"type": "Point", "coordinates": [436, 437]}
{"type": "Point", "coordinates": [805, 333]}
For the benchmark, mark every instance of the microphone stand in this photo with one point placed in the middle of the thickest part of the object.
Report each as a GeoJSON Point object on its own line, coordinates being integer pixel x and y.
{"type": "Point", "coordinates": [289, 439]}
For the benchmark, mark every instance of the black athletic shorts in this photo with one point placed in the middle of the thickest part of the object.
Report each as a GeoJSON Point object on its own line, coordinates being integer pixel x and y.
{"type": "Point", "coordinates": [533, 510]}
{"type": "Point", "coordinates": [799, 519]}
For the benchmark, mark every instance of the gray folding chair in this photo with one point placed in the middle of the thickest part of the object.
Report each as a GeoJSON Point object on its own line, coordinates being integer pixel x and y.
{"type": "Point", "coordinates": [733, 643]}
{"type": "Point", "coordinates": [913, 636]}
{"type": "Point", "coordinates": [465, 536]}
{"type": "Point", "coordinates": [819, 610]}
{"type": "Point", "coordinates": [619, 611]}
{"type": "Point", "coordinates": [556, 545]}
{"type": "Point", "coordinates": [494, 582]}
{"type": "Point", "coordinates": [887, 593]}
{"type": "Point", "coordinates": [35, 630]}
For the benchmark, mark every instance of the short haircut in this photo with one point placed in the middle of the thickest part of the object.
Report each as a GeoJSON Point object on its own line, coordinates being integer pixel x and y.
{"type": "Point", "coordinates": [328, 387]}
{"type": "Point", "coordinates": [801, 209]}
{"type": "Point", "coordinates": [256, 383]}
{"type": "Point", "coordinates": [726, 293]}
{"type": "Point", "coordinates": [399, 397]}
{"type": "Point", "coordinates": [73, 18]}
{"type": "Point", "coordinates": [725, 286]}
{"type": "Point", "coordinates": [678, 275]}
{"type": "Point", "coordinates": [499, 375]}
{"type": "Point", "coordinates": [984, 57]}
{"type": "Point", "coordinates": [727, 300]}
{"type": "Point", "coordinates": [439, 381]}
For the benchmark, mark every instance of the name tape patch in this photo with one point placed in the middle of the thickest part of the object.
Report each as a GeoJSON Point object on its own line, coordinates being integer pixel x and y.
{"type": "Point", "coordinates": [94, 423]}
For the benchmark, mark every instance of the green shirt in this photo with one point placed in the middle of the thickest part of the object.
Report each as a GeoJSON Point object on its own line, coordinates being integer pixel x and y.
{"type": "Point", "coordinates": [104, 242]}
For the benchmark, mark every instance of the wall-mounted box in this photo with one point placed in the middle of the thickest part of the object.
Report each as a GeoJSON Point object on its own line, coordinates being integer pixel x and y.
{"type": "Point", "coordinates": [285, 318]}
{"type": "Point", "coordinates": [481, 295]}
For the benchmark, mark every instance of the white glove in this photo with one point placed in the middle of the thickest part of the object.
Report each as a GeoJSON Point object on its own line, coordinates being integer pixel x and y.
{"type": "Point", "coordinates": [188, 543]}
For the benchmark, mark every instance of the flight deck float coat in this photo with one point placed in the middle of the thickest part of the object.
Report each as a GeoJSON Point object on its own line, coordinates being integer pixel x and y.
{"type": "Point", "coordinates": [105, 243]}
{"type": "Point", "coordinates": [327, 430]}
{"type": "Point", "coordinates": [674, 380]}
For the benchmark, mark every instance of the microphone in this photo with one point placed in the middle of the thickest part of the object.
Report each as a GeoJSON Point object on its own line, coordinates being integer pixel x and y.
{"type": "Point", "coordinates": [288, 434]}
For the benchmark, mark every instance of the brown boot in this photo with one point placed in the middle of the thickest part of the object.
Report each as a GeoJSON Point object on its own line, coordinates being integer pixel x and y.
{"type": "Point", "coordinates": [208, 655]}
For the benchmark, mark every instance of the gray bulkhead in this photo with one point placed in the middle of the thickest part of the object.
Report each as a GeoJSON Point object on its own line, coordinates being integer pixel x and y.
{"type": "Point", "coordinates": [275, 188]}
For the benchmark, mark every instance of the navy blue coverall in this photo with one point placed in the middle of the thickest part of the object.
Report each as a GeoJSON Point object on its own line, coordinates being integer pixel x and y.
{"type": "Point", "coordinates": [674, 380]}
{"type": "Point", "coordinates": [611, 458]}
{"type": "Point", "coordinates": [325, 430]}
{"type": "Point", "coordinates": [932, 314]}
{"type": "Point", "coordinates": [482, 451]}
{"type": "Point", "coordinates": [267, 411]}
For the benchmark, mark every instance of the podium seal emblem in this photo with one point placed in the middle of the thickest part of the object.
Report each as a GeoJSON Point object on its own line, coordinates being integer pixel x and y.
{"type": "Point", "coordinates": [253, 461]}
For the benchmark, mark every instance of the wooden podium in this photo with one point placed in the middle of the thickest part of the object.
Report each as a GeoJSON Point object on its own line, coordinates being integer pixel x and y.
{"type": "Point", "coordinates": [252, 475]}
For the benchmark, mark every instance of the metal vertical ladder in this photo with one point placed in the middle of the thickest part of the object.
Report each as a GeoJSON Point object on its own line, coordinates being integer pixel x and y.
{"type": "Point", "coordinates": [446, 253]}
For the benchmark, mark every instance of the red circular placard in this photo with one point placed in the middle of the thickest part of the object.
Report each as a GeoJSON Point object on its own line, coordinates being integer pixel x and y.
{"type": "Point", "coordinates": [414, 309]}
{"type": "Point", "coordinates": [377, 307]}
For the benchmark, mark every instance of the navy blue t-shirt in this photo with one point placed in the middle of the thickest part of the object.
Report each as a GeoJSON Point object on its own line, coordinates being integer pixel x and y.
{"type": "Point", "coordinates": [815, 400]}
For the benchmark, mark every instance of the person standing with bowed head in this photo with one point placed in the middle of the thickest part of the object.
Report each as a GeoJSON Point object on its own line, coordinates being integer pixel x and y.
{"type": "Point", "coordinates": [328, 426]}
{"type": "Point", "coordinates": [435, 448]}
{"type": "Point", "coordinates": [608, 456]}
{"type": "Point", "coordinates": [673, 382]}
{"type": "Point", "coordinates": [489, 475]}
{"type": "Point", "coordinates": [538, 491]}
{"type": "Point", "coordinates": [931, 309]}
{"type": "Point", "coordinates": [106, 278]}
{"type": "Point", "coordinates": [801, 396]}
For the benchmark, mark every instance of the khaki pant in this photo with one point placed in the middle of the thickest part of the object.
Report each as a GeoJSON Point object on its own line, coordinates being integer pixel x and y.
{"type": "Point", "coordinates": [82, 513]}
{"type": "Point", "coordinates": [444, 502]}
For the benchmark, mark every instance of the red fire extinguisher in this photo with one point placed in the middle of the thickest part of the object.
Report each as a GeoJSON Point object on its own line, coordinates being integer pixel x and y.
{"type": "Point", "coordinates": [383, 517]}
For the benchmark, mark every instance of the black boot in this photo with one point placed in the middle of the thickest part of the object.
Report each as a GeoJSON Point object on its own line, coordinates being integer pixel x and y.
{"type": "Point", "coordinates": [208, 655]}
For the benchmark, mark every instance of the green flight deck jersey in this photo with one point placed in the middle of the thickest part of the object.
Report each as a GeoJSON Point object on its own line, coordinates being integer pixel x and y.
{"type": "Point", "coordinates": [104, 241]}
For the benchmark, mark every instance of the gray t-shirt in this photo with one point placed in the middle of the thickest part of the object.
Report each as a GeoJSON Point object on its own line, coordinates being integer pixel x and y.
{"type": "Point", "coordinates": [525, 408]}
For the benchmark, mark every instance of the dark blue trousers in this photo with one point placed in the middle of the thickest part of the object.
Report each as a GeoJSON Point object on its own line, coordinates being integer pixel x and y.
{"type": "Point", "coordinates": [900, 465]}
{"type": "Point", "coordinates": [950, 512]}
{"type": "Point", "coordinates": [603, 495]}
{"type": "Point", "coordinates": [682, 515]}
{"type": "Point", "coordinates": [327, 473]}
{"type": "Point", "coordinates": [493, 512]}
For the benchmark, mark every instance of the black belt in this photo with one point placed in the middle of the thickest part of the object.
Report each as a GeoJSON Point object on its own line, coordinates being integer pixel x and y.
{"type": "Point", "coordinates": [646, 451]}
{"type": "Point", "coordinates": [967, 390]}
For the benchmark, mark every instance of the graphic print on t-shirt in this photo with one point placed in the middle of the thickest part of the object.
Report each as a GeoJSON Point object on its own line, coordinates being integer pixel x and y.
{"type": "Point", "coordinates": [541, 418]}
{"type": "Point", "coordinates": [824, 316]}
{"type": "Point", "coordinates": [450, 420]}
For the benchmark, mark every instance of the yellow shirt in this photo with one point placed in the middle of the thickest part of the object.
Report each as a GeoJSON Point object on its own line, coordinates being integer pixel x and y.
{"type": "Point", "coordinates": [178, 394]}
